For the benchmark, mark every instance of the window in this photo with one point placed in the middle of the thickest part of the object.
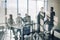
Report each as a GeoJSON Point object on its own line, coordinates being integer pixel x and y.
{"type": "Point", "coordinates": [33, 7]}
{"type": "Point", "coordinates": [12, 8]}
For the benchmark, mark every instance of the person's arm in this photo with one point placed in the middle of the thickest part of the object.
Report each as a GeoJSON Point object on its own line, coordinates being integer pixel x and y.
{"type": "Point", "coordinates": [44, 14]}
{"type": "Point", "coordinates": [22, 19]}
{"type": "Point", "coordinates": [54, 16]}
{"type": "Point", "coordinates": [13, 22]}
{"type": "Point", "coordinates": [8, 23]}
{"type": "Point", "coordinates": [16, 20]}
{"type": "Point", "coordinates": [54, 13]}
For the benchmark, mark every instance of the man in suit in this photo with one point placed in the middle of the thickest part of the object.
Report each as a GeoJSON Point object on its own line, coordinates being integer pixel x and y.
{"type": "Point", "coordinates": [41, 15]}
{"type": "Point", "coordinates": [19, 22]}
{"type": "Point", "coordinates": [52, 14]}
{"type": "Point", "coordinates": [51, 23]}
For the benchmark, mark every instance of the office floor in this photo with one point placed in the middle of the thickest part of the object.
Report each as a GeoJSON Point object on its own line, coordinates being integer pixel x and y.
{"type": "Point", "coordinates": [7, 36]}
{"type": "Point", "coordinates": [11, 37]}
{"type": "Point", "coordinates": [1, 35]}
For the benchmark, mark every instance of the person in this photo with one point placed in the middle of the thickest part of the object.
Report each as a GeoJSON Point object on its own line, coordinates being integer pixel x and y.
{"type": "Point", "coordinates": [11, 23]}
{"type": "Point", "coordinates": [27, 21]}
{"type": "Point", "coordinates": [26, 28]}
{"type": "Point", "coordinates": [52, 14]}
{"type": "Point", "coordinates": [51, 23]}
{"type": "Point", "coordinates": [39, 16]}
{"type": "Point", "coordinates": [19, 22]}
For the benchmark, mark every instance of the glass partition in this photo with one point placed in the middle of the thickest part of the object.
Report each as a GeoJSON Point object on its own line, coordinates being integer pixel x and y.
{"type": "Point", "coordinates": [33, 7]}
{"type": "Point", "coordinates": [2, 12]}
{"type": "Point", "coordinates": [12, 8]}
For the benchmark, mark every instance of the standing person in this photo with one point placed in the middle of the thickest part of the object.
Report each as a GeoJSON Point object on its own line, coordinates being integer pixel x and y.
{"type": "Point", "coordinates": [11, 23]}
{"type": "Point", "coordinates": [27, 22]}
{"type": "Point", "coordinates": [51, 23]}
{"type": "Point", "coordinates": [39, 16]}
{"type": "Point", "coordinates": [52, 14]}
{"type": "Point", "coordinates": [19, 22]}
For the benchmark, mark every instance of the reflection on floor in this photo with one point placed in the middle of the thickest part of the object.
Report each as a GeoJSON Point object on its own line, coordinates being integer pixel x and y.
{"type": "Point", "coordinates": [11, 37]}
{"type": "Point", "coordinates": [1, 35]}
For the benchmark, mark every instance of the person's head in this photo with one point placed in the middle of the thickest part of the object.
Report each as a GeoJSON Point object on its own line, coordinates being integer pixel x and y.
{"type": "Point", "coordinates": [42, 9]}
{"type": "Point", "coordinates": [19, 15]}
{"type": "Point", "coordinates": [26, 14]}
{"type": "Point", "coordinates": [52, 9]}
{"type": "Point", "coordinates": [10, 16]}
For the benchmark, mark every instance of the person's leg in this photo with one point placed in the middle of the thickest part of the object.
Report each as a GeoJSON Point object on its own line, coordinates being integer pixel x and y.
{"type": "Point", "coordinates": [50, 28]}
{"type": "Point", "coordinates": [13, 30]}
{"type": "Point", "coordinates": [53, 35]}
{"type": "Point", "coordinates": [38, 28]}
{"type": "Point", "coordinates": [19, 31]}
{"type": "Point", "coordinates": [19, 34]}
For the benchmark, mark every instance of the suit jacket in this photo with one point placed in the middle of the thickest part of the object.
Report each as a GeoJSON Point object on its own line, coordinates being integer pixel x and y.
{"type": "Point", "coordinates": [39, 16]}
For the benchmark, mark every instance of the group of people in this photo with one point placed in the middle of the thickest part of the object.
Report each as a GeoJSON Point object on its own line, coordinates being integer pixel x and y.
{"type": "Point", "coordinates": [27, 20]}
{"type": "Point", "coordinates": [46, 18]}
{"type": "Point", "coordinates": [20, 22]}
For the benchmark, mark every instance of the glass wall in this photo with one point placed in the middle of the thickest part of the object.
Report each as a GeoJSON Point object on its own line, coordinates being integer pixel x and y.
{"type": "Point", "coordinates": [32, 6]}
{"type": "Point", "coordinates": [2, 11]}
{"type": "Point", "coordinates": [22, 7]}
{"type": "Point", "coordinates": [12, 8]}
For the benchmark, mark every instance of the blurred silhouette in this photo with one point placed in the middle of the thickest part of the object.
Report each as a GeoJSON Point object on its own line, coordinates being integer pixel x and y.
{"type": "Point", "coordinates": [19, 22]}
{"type": "Point", "coordinates": [11, 23]}
{"type": "Point", "coordinates": [26, 28]}
{"type": "Point", "coordinates": [52, 14]}
{"type": "Point", "coordinates": [27, 21]}
{"type": "Point", "coordinates": [39, 16]}
{"type": "Point", "coordinates": [51, 23]}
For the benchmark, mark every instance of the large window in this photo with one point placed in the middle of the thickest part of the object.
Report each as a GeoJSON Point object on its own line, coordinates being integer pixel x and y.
{"type": "Point", "coordinates": [32, 7]}
{"type": "Point", "coordinates": [12, 8]}
{"type": "Point", "coordinates": [2, 13]}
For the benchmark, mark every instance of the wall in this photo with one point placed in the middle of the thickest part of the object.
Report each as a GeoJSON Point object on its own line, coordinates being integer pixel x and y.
{"type": "Point", "coordinates": [56, 5]}
{"type": "Point", "coordinates": [59, 14]}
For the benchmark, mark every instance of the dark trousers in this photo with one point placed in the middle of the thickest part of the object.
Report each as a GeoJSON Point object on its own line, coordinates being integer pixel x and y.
{"type": "Point", "coordinates": [19, 30]}
{"type": "Point", "coordinates": [50, 27]}
{"type": "Point", "coordinates": [38, 30]}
